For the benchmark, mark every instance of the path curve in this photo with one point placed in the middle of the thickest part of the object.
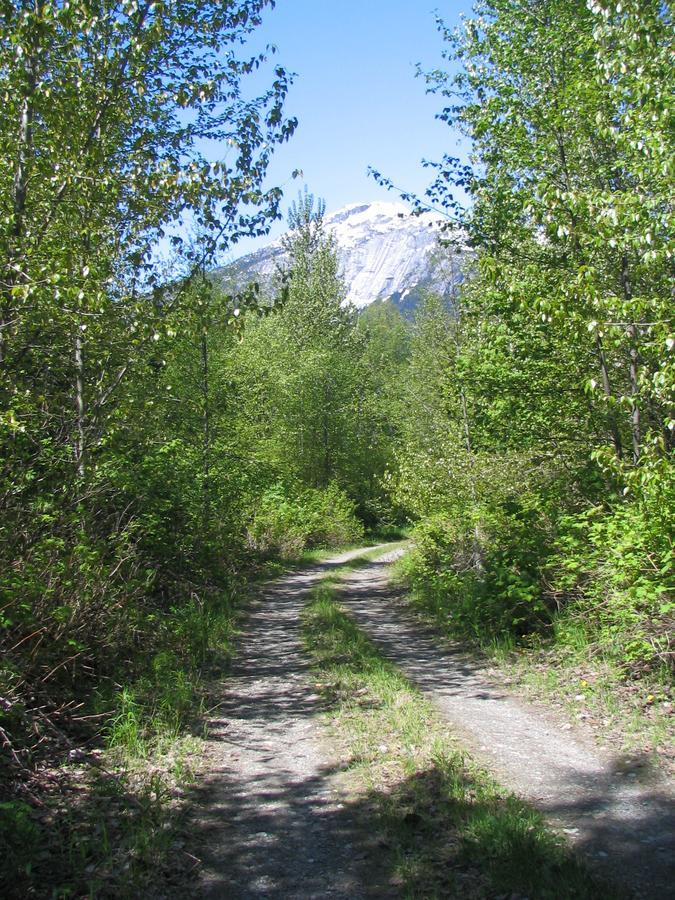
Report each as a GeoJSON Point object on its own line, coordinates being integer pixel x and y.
{"type": "Point", "coordinates": [625, 827]}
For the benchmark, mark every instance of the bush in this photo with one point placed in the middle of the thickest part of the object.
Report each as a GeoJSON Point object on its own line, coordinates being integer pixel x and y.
{"type": "Point", "coordinates": [19, 837]}
{"type": "Point", "coordinates": [612, 575]}
{"type": "Point", "coordinates": [288, 522]}
{"type": "Point", "coordinates": [482, 583]}
{"type": "Point", "coordinates": [602, 579]}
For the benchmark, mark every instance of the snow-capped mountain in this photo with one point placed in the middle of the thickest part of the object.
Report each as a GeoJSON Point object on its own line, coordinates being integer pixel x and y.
{"type": "Point", "coordinates": [384, 251]}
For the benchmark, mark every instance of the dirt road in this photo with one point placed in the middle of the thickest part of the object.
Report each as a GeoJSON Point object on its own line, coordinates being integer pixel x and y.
{"type": "Point", "coordinates": [272, 818]}
{"type": "Point", "coordinates": [621, 824]}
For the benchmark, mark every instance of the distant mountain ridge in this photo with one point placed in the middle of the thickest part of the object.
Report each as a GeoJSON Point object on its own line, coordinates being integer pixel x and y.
{"type": "Point", "coordinates": [385, 253]}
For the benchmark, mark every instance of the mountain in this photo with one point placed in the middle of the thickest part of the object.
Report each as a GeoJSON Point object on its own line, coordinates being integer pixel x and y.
{"type": "Point", "coordinates": [385, 254]}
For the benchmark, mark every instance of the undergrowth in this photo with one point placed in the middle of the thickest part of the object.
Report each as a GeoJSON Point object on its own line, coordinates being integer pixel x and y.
{"type": "Point", "coordinates": [578, 606]}
{"type": "Point", "coordinates": [92, 806]}
{"type": "Point", "coordinates": [523, 572]}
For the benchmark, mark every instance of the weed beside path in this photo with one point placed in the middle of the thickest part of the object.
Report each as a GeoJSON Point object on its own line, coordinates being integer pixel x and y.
{"type": "Point", "coordinates": [633, 718]}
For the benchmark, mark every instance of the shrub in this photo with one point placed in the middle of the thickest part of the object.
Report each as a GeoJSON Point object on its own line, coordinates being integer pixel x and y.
{"type": "Point", "coordinates": [613, 576]}
{"type": "Point", "coordinates": [287, 522]}
{"type": "Point", "coordinates": [601, 580]}
{"type": "Point", "coordinates": [482, 582]}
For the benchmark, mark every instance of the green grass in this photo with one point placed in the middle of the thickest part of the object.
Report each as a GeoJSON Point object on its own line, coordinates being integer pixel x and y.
{"type": "Point", "coordinates": [446, 828]}
{"type": "Point", "coordinates": [632, 715]}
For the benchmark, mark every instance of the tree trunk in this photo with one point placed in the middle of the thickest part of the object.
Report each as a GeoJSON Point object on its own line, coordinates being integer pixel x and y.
{"type": "Point", "coordinates": [477, 552]}
{"type": "Point", "coordinates": [607, 390]}
{"type": "Point", "coordinates": [604, 372]}
{"type": "Point", "coordinates": [19, 197]}
{"type": "Point", "coordinates": [327, 410]}
{"type": "Point", "coordinates": [79, 403]}
{"type": "Point", "coordinates": [206, 428]}
{"type": "Point", "coordinates": [634, 363]}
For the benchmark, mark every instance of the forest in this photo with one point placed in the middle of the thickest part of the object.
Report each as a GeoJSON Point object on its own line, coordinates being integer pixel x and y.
{"type": "Point", "coordinates": [169, 438]}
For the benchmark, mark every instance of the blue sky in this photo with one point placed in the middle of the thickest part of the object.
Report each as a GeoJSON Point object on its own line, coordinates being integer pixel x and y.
{"type": "Point", "coordinates": [356, 96]}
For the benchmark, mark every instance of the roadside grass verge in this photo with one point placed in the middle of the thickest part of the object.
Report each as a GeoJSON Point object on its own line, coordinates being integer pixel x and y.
{"type": "Point", "coordinates": [100, 814]}
{"type": "Point", "coordinates": [565, 670]}
{"type": "Point", "coordinates": [442, 825]}
{"type": "Point", "coordinates": [107, 819]}
{"type": "Point", "coordinates": [106, 829]}
{"type": "Point", "coordinates": [634, 717]}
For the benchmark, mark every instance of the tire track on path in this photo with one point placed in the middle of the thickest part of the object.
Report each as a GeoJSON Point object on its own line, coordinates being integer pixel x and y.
{"type": "Point", "coordinates": [626, 828]}
{"type": "Point", "coordinates": [268, 816]}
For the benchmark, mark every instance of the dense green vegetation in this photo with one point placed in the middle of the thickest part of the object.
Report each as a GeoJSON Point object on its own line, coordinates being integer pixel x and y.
{"type": "Point", "coordinates": [163, 435]}
{"type": "Point", "coordinates": [538, 457]}
{"type": "Point", "coordinates": [144, 466]}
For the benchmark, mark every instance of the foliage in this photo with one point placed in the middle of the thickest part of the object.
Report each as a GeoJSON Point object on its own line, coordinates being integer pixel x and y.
{"type": "Point", "coordinates": [284, 525]}
{"type": "Point", "coordinates": [121, 530]}
{"type": "Point", "coordinates": [161, 432]}
{"type": "Point", "coordinates": [538, 449]}
{"type": "Point", "coordinates": [612, 575]}
{"type": "Point", "coordinates": [310, 379]}
{"type": "Point", "coordinates": [18, 841]}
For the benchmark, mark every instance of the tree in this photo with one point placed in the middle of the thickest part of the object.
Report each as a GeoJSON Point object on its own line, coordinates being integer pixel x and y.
{"type": "Point", "coordinates": [570, 195]}
{"type": "Point", "coordinates": [557, 367]}
{"type": "Point", "coordinates": [109, 110]}
{"type": "Point", "coordinates": [112, 114]}
{"type": "Point", "coordinates": [312, 350]}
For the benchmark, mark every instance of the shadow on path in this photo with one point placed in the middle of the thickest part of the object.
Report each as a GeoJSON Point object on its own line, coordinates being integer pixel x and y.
{"type": "Point", "coordinates": [270, 816]}
{"type": "Point", "coordinates": [267, 818]}
{"type": "Point", "coordinates": [621, 825]}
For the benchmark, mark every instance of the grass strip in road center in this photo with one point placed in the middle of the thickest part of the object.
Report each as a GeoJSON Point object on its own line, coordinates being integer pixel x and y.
{"type": "Point", "coordinates": [440, 824]}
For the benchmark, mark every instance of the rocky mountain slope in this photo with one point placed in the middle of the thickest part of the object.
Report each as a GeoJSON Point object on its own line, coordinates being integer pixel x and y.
{"type": "Point", "coordinates": [385, 254]}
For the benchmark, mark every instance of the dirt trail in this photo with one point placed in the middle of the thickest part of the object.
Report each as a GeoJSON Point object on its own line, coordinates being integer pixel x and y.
{"type": "Point", "coordinates": [624, 826]}
{"type": "Point", "coordinates": [269, 818]}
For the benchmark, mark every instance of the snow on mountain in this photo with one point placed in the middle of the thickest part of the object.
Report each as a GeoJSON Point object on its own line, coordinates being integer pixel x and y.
{"type": "Point", "coordinates": [383, 249]}
{"type": "Point", "coordinates": [384, 252]}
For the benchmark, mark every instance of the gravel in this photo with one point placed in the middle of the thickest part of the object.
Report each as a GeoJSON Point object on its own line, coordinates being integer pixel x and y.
{"type": "Point", "coordinates": [271, 817]}
{"type": "Point", "coordinates": [271, 813]}
{"type": "Point", "coordinates": [621, 824]}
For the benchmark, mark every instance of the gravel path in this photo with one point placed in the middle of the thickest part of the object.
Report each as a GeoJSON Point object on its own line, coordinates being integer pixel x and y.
{"type": "Point", "coordinates": [626, 827]}
{"type": "Point", "coordinates": [271, 814]}
{"type": "Point", "coordinates": [270, 818]}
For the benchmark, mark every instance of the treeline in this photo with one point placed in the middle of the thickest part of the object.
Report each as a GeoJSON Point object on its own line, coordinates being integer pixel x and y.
{"type": "Point", "coordinates": [310, 381]}
{"type": "Point", "coordinates": [539, 455]}
{"type": "Point", "coordinates": [163, 435]}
